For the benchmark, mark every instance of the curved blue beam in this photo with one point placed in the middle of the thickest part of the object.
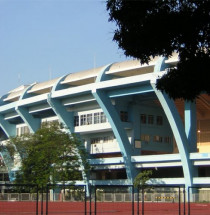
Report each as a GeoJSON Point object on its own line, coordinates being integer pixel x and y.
{"type": "Point", "coordinates": [67, 118]}
{"type": "Point", "coordinates": [29, 120]}
{"type": "Point", "coordinates": [118, 130]}
{"type": "Point", "coordinates": [8, 128]}
{"type": "Point", "coordinates": [7, 161]}
{"type": "Point", "coordinates": [102, 74]}
{"type": "Point", "coordinates": [10, 131]}
{"type": "Point", "coordinates": [109, 110]}
{"type": "Point", "coordinates": [176, 124]}
{"type": "Point", "coordinates": [191, 125]}
{"type": "Point", "coordinates": [179, 133]}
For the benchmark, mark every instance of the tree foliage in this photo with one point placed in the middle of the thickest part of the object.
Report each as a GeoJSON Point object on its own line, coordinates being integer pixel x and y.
{"type": "Point", "coordinates": [152, 28]}
{"type": "Point", "coordinates": [142, 178]}
{"type": "Point", "coordinates": [49, 155]}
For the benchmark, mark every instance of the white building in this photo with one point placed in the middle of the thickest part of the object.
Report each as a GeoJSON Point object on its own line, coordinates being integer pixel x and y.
{"type": "Point", "coordinates": [127, 125]}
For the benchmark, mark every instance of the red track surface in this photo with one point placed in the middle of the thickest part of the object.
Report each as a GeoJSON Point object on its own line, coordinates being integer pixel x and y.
{"type": "Point", "coordinates": [102, 208]}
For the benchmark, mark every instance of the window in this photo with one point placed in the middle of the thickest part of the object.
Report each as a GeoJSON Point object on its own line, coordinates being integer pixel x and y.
{"type": "Point", "coordinates": [96, 118]}
{"type": "Point", "coordinates": [124, 116]}
{"type": "Point", "coordinates": [22, 130]}
{"type": "Point", "coordinates": [103, 117]}
{"type": "Point", "coordinates": [26, 130]}
{"type": "Point", "coordinates": [151, 119]}
{"type": "Point", "coordinates": [95, 140]}
{"type": "Point", "coordinates": [167, 139]}
{"type": "Point", "coordinates": [145, 137]}
{"type": "Point", "coordinates": [159, 120]}
{"type": "Point", "coordinates": [89, 119]}
{"type": "Point", "coordinates": [137, 144]}
{"type": "Point", "coordinates": [83, 120]}
{"type": "Point", "coordinates": [108, 139]}
{"type": "Point", "coordinates": [76, 120]}
{"type": "Point", "coordinates": [143, 119]}
{"type": "Point", "coordinates": [158, 139]}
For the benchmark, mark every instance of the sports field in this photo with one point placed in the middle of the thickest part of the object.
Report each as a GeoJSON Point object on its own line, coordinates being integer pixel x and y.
{"type": "Point", "coordinates": [101, 208]}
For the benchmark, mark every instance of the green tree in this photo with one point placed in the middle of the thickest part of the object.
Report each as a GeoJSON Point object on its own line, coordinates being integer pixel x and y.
{"type": "Point", "coordinates": [142, 178]}
{"type": "Point", "coordinates": [149, 28]}
{"type": "Point", "coordinates": [49, 155]}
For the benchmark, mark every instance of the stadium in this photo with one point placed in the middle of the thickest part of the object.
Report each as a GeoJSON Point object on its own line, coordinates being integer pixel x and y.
{"type": "Point", "coordinates": [125, 123]}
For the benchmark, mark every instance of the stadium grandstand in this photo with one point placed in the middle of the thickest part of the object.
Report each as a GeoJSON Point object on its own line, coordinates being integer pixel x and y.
{"type": "Point", "coordinates": [125, 123]}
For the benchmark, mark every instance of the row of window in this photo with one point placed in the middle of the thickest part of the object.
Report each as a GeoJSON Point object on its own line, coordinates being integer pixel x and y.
{"type": "Point", "coordinates": [88, 119]}
{"type": "Point", "coordinates": [151, 119]}
{"type": "Point", "coordinates": [107, 139]}
{"type": "Point", "coordinates": [22, 130]}
{"type": "Point", "coordinates": [156, 138]}
{"type": "Point", "coordinates": [96, 118]}
{"type": "Point", "coordinates": [25, 129]}
{"type": "Point", "coordinates": [99, 117]}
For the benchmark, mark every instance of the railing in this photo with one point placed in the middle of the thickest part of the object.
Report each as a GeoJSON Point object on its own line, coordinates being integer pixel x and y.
{"type": "Point", "coordinates": [111, 199]}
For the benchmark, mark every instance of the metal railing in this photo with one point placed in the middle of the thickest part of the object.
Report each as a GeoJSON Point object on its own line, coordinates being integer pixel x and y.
{"type": "Point", "coordinates": [112, 199]}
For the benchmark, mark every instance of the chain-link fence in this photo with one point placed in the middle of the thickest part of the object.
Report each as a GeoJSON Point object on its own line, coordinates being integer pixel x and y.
{"type": "Point", "coordinates": [97, 200]}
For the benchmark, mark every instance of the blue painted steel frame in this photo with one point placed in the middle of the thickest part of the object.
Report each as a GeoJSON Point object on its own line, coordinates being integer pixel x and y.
{"type": "Point", "coordinates": [185, 137]}
{"type": "Point", "coordinates": [65, 117]}
{"type": "Point", "coordinates": [190, 125]}
{"type": "Point", "coordinates": [177, 126]}
{"type": "Point", "coordinates": [8, 162]}
{"type": "Point", "coordinates": [29, 120]}
{"type": "Point", "coordinates": [109, 110]}
{"type": "Point", "coordinates": [9, 129]}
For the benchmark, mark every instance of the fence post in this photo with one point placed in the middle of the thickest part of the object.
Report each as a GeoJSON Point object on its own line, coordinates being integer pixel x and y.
{"type": "Point", "coordinates": [37, 198]}
{"type": "Point", "coordinates": [47, 199]}
{"type": "Point", "coordinates": [85, 199]}
{"type": "Point", "coordinates": [90, 200]}
{"type": "Point", "coordinates": [138, 200]}
{"type": "Point", "coordinates": [42, 199]}
{"type": "Point", "coordinates": [142, 200]}
{"type": "Point", "coordinates": [95, 199]}
{"type": "Point", "coordinates": [188, 198]}
{"type": "Point", "coordinates": [179, 202]}
{"type": "Point", "coordinates": [184, 199]}
{"type": "Point", "coordinates": [132, 200]}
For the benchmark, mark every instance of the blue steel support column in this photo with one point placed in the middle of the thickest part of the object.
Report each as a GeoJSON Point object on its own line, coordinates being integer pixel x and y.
{"type": "Point", "coordinates": [176, 126]}
{"type": "Point", "coordinates": [7, 161]}
{"type": "Point", "coordinates": [191, 129]}
{"type": "Point", "coordinates": [190, 125]}
{"type": "Point", "coordinates": [67, 118]}
{"type": "Point", "coordinates": [178, 131]}
{"type": "Point", "coordinates": [118, 130]}
{"type": "Point", "coordinates": [116, 124]}
{"type": "Point", "coordinates": [29, 120]}
{"type": "Point", "coordinates": [9, 129]}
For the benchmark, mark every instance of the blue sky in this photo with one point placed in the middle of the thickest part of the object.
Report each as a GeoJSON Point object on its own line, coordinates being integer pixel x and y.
{"type": "Point", "coordinates": [46, 39]}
